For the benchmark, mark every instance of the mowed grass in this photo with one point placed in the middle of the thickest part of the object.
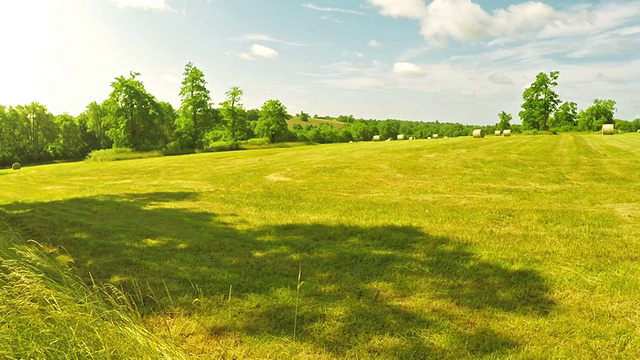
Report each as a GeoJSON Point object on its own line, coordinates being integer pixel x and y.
{"type": "Point", "coordinates": [521, 247]}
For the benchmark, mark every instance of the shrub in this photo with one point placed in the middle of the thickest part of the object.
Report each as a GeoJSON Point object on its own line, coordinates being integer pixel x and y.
{"type": "Point", "coordinates": [116, 154]}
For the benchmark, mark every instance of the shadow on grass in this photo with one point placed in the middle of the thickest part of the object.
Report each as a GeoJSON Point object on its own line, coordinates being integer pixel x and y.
{"type": "Point", "coordinates": [390, 291]}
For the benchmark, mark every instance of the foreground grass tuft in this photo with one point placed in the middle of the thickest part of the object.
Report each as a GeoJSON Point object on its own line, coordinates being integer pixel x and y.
{"type": "Point", "coordinates": [46, 313]}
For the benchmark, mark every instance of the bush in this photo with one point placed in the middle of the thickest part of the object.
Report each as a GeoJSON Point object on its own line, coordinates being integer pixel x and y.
{"type": "Point", "coordinates": [258, 141]}
{"type": "Point", "coordinates": [116, 154]}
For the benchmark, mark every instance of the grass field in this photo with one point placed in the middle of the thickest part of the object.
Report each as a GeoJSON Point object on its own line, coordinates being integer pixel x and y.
{"type": "Point", "coordinates": [524, 247]}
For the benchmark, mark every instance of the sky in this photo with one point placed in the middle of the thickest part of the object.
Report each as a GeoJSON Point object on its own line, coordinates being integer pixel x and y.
{"type": "Point", "coordinates": [447, 60]}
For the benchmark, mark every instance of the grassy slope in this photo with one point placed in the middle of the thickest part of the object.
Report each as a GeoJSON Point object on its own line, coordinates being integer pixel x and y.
{"type": "Point", "coordinates": [510, 247]}
{"type": "Point", "coordinates": [314, 122]}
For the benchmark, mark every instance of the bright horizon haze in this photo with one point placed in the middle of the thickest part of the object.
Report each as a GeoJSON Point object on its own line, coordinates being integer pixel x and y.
{"type": "Point", "coordinates": [448, 60]}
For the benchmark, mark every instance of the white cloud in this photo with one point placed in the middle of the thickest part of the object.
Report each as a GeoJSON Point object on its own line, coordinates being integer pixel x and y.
{"type": "Point", "coordinates": [331, 9]}
{"type": "Point", "coordinates": [466, 21]}
{"type": "Point", "coordinates": [356, 83]}
{"type": "Point", "coordinates": [408, 69]}
{"type": "Point", "coordinates": [413, 9]}
{"type": "Point", "coordinates": [160, 5]}
{"type": "Point", "coordinates": [265, 38]}
{"type": "Point", "coordinates": [373, 43]}
{"type": "Point", "coordinates": [263, 52]}
{"type": "Point", "coordinates": [500, 79]}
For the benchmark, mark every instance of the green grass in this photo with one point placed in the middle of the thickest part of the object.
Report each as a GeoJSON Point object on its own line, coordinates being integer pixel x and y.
{"type": "Point", "coordinates": [521, 247]}
{"type": "Point", "coordinates": [46, 313]}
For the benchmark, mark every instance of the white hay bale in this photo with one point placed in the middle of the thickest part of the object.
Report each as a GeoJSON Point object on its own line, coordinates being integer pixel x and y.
{"type": "Point", "coordinates": [446, 137]}
{"type": "Point", "coordinates": [400, 137]}
{"type": "Point", "coordinates": [434, 136]}
{"type": "Point", "coordinates": [638, 131]}
{"type": "Point", "coordinates": [506, 133]}
{"type": "Point", "coordinates": [608, 129]}
{"type": "Point", "coordinates": [413, 138]}
{"type": "Point", "coordinates": [16, 166]}
{"type": "Point", "coordinates": [497, 133]}
{"type": "Point", "coordinates": [478, 133]}
{"type": "Point", "coordinates": [389, 139]}
{"type": "Point", "coordinates": [377, 138]}
{"type": "Point", "coordinates": [429, 138]}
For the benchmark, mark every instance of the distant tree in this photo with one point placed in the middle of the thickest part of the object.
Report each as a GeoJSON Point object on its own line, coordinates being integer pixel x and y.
{"type": "Point", "coordinates": [601, 112]}
{"type": "Point", "coordinates": [504, 122]}
{"type": "Point", "coordinates": [35, 131]}
{"type": "Point", "coordinates": [304, 116]}
{"type": "Point", "coordinates": [69, 144]}
{"type": "Point", "coordinates": [195, 115]}
{"type": "Point", "coordinates": [566, 116]}
{"type": "Point", "coordinates": [133, 115]}
{"type": "Point", "coordinates": [233, 114]}
{"type": "Point", "coordinates": [540, 101]}
{"type": "Point", "coordinates": [95, 119]}
{"type": "Point", "coordinates": [253, 114]}
{"type": "Point", "coordinates": [273, 121]}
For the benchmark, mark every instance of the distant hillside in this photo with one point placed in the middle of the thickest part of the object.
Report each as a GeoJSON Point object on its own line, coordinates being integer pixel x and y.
{"type": "Point", "coordinates": [314, 121]}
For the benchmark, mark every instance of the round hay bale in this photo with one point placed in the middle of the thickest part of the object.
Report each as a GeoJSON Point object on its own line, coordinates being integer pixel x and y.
{"type": "Point", "coordinates": [497, 133]}
{"type": "Point", "coordinates": [16, 166]}
{"type": "Point", "coordinates": [506, 132]}
{"type": "Point", "coordinates": [446, 137]}
{"type": "Point", "coordinates": [478, 133]}
{"type": "Point", "coordinates": [400, 137]}
{"type": "Point", "coordinates": [638, 131]}
{"type": "Point", "coordinates": [608, 129]}
{"type": "Point", "coordinates": [429, 138]}
{"type": "Point", "coordinates": [413, 138]}
{"type": "Point", "coordinates": [434, 136]}
{"type": "Point", "coordinates": [377, 138]}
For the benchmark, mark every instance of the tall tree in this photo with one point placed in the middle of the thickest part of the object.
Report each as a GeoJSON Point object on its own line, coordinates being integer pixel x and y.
{"type": "Point", "coordinates": [540, 101]}
{"type": "Point", "coordinates": [601, 112]}
{"type": "Point", "coordinates": [566, 115]}
{"type": "Point", "coordinates": [95, 116]}
{"type": "Point", "coordinates": [233, 114]}
{"type": "Point", "coordinates": [505, 121]}
{"type": "Point", "coordinates": [196, 118]}
{"type": "Point", "coordinates": [133, 115]}
{"type": "Point", "coordinates": [272, 123]}
{"type": "Point", "coordinates": [69, 143]}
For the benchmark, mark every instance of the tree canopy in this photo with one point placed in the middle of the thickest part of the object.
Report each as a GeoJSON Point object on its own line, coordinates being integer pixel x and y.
{"type": "Point", "coordinates": [540, 101]}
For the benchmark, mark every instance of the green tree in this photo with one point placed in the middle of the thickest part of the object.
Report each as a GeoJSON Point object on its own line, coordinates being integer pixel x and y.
{"type": "Point", "coordinates": [540, 101]}
{"type": "Point", "coordinates": [133, 115]}
{"type": "Point", "coordinates": [504, 122]}
{"type": "Point", "coordinates": [598, 114]}
{"type": "Point", "coordinates": [233, 114]}
{"type": "Point", "coordinates": [196, 118]}
{"type": "Point", "coordinates": [69, 143]}
{"type": "Point", "coordinates": [273, 121]}
{"type": "Point", "coordinates": [94, 120]}
{"type": "Point", "coordinates": [566, 115]}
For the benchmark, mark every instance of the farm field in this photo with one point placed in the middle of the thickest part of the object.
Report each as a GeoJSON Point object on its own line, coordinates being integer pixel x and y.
{"type": "Point", "coordinates": [520, 247]}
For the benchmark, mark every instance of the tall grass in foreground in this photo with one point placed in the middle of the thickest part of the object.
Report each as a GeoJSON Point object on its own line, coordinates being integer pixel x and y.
{"type": "Point", "coordinates": [45, 313]}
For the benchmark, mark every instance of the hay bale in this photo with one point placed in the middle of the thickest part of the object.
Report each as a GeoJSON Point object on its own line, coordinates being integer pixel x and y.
{"type": "Point", "coordinates": [478, 133]}
{"type": "Point", "coordinates": [377, 138]}
{"type": "Point", "coordinates": [446, 137]}
{"type": "Point", "coordinates": [497, 133]}
{"type": "Point", "coordinates": [608, 129]}
{"type": "Point", "coordinates": [413, 138]}
{"type": "Point", "coordinates": [506, 133]}
{"type": "Point", "coordinates": [400, 137]}
{"type": "Point", "coordinates": [429, 138]}
{"type": "Point", "coordinates": [639, 131]}
{"type": "Point", "coordinates": [434, 136]}
{"type": "Point", "coordinates": [16, 166]}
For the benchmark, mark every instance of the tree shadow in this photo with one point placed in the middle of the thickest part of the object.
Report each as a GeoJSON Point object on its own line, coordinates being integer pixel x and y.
{"type": "Point", "coordinates": [371, 288]}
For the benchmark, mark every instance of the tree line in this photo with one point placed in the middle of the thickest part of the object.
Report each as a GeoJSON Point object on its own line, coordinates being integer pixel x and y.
{"type": "Point", "coordinates": [542, 109]}
{"type": "Point", "coordinates": [133, 118]}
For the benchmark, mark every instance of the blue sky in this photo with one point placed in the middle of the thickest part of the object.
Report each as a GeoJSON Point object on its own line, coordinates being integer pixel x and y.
{"type": "Point", "coordinates": [447, 60]}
